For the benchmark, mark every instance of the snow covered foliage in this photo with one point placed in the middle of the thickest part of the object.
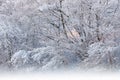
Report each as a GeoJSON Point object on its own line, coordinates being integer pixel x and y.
{"type": "Point", "coordinates": [54, 34]}
{"type": "Point", "coordinates": [45, 58]}
{"type": "Point", "coordinates": [100, 55]}
{"type": "Point", "coordinates": [9, 39]}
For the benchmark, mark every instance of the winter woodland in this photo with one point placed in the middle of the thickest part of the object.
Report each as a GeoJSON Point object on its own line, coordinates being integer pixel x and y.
{"type": "Point", "coordinates": [43, 35]}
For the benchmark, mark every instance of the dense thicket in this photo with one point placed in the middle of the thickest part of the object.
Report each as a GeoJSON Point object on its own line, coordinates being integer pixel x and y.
{"type": "Point", "coordinates": [49, 34]}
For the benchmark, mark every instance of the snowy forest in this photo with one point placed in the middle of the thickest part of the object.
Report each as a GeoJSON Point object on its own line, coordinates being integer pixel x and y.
{"type": "Point", "coordinates": [44, 35]}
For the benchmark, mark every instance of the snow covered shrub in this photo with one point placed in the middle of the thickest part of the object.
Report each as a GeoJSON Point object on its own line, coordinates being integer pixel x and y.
{"type": "Point", "coordinates": [116, 57]}
{"type": "Point", "coordinates": [100, 55]}
{"type": "Point", "coordinates": [20, 58]}
{"type": "Point", "coordinates": [45, 58]}
{"type": "Point", "coordinates": [35, 58]}
{"type": "Point", "coordinates": [10, 37]}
